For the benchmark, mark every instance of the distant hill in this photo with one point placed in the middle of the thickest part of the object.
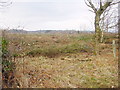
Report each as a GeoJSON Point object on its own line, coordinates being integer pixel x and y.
{"type": "Point", "coordinates": [47, 31]}
{"type": "Point", "coordinates": [17, 31]}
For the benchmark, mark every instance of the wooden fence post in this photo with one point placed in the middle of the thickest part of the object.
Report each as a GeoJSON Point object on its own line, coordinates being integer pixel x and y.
{"type": "Point", "coordinates": [114, 48]}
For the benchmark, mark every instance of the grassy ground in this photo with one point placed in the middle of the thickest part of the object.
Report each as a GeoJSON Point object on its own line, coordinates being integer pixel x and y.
{"type": "Point", "coordinates": [63, 61]}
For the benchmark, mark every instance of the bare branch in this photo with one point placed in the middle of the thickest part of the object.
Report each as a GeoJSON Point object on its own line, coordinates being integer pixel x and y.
{"type": "Point", "coordinates": [90, 4]}
{"type": "Point", "coordinates": [115, 3]}
{"type": "Point", "coordinates": [104, 7]}
{"type": "Point", "coordinates": [5, 3]}
{"type": "Point", "coordinates": [100, 3]}
{"type": "Point", "coordinates": [113, 26]}
{"type": "Point", "coordinates": [91, 11]}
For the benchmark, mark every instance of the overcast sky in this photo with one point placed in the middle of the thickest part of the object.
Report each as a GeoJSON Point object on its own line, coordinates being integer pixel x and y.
{"type": "Point", "coordinates": [47, 14]}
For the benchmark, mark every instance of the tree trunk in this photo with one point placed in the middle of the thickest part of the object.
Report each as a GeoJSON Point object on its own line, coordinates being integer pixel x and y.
{"type": "Point", "coordinates": [102, 36]}
{"type": "Point", "coordinates": [97, 33]}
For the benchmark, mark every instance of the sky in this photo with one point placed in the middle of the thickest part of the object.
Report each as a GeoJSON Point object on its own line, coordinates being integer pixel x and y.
{"type": "Point", "coordinates": [47, 15]}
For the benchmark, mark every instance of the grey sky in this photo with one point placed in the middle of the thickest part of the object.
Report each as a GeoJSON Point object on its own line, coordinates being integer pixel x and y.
{"type": "Point", "coordinates": [47, 14]}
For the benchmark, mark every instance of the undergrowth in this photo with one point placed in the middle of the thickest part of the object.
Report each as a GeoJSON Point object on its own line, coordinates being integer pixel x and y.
{"type": "Point", "coordinates": [7, 66]}
{"type": "Point", "coordinates": [57, 51]}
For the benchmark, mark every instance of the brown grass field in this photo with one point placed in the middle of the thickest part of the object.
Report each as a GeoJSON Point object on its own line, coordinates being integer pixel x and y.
{"type": "Point", "coordinates": [62, 61]}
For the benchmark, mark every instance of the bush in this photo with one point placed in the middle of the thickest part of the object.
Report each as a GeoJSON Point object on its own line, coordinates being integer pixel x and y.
{"type": "Point", "coordinates": [4, 48]}
{"type": "Point", "coordinates": [7, 65]}
{"type": "Point", "coordinates": [85, 38]}
{"type": "Point", "coordinates": [55, 51]}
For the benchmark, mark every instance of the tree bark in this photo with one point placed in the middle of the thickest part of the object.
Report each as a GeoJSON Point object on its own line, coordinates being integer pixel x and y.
{"type": "Point", "coordinates": [102, 36]}
{"type": "Point", "coordinates": [97, 33]}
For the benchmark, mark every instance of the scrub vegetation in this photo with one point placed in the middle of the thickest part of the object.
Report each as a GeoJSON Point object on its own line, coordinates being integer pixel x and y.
{"type": "Point", "coordinates": [60, 61]}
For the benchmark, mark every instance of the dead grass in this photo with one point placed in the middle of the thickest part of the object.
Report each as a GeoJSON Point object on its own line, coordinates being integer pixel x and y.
{"type": "Point", "coordinates": [71, 64]}
{"type": "Point", "coordinates": [49, 45]}
{"type": "Point", "coordinates": [71, 71]}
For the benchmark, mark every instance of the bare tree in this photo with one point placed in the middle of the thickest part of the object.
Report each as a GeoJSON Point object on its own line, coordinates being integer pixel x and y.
{"type": "Point", "coordinates": [5, 3]}
{"type": "Point", "coordinates": [98, 7]}
{"type": "Point", "coordinates": [109, 20]}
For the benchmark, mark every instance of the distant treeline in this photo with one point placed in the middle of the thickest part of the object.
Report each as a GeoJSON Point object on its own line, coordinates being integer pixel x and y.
{"type": "Point", "coordinates": [51, 31]}
{"type": "Point", "coordinates": [48, 31]}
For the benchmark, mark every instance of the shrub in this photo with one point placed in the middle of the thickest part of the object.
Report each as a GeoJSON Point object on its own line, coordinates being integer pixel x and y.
{"type": "Point", "coordinates": [55, 51]}
{"type": "Point", "coordinates": [85, 38]}
{"type": "Point", "coordinates": [16, 55]}
{"type": "Point", "coordinates": [7, 65]}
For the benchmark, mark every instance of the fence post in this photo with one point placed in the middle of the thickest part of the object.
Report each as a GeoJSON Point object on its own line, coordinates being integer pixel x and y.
{"type": "Point", "coordinates": [114, 48]}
